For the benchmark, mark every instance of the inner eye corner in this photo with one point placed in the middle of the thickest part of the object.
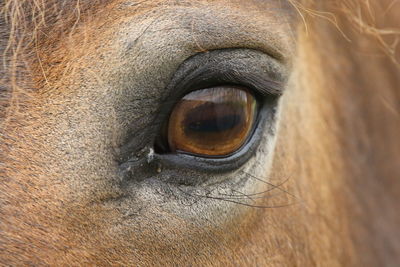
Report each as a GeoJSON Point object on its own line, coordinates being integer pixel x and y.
{"type": "Point", "coordinates": [212, 122]}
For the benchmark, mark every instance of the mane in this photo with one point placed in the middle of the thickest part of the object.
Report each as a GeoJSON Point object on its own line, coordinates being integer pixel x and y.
{"type": "Point", "coordinates": [345, 160]}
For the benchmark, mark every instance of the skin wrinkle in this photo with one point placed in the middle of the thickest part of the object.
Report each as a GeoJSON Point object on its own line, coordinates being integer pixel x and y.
{"type": "Point", "coordinates": [62, 201]}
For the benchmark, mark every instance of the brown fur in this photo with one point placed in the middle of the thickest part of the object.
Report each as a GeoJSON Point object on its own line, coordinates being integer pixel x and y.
{"type": "Point", "coordinates": [338, 143]}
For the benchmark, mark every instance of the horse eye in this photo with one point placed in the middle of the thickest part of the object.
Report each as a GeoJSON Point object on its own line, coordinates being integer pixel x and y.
{"type": "Point", "coordinates": [212, 122]}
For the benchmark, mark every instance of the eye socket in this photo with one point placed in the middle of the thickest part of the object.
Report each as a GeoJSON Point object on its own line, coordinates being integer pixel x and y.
{"type": "Point", "coordinates": [212, 122]}
{"type": "Point", "coordinates": [226, 100]}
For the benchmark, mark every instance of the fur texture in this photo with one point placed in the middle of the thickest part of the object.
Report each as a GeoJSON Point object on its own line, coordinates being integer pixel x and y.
{"type": "Point", "coordinates": [338, 151]}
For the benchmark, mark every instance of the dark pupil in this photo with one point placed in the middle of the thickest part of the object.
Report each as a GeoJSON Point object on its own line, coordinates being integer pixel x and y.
{"type": "Point", "coordinates": [213, 118]}
{"type": "Point", "coordinates": [212, 122]}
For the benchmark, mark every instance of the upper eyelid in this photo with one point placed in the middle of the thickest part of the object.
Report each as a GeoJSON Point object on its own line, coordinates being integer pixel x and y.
{"type": "Point", "coordinates": [252, 68]}
{"type": "Point", "coordinates": [262, 73]}
{"type": "Point", "coordinates": [261, 84]}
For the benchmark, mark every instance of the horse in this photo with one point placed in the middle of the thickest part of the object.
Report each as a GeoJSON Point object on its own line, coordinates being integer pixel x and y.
{"type": "Point", "coordinates": [199, 133]}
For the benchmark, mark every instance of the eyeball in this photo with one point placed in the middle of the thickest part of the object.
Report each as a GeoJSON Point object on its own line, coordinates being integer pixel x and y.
{"type": "Point", "coordinates": [212, 122]}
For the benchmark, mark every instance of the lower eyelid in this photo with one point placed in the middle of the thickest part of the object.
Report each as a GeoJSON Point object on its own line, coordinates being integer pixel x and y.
{"type": "Point", "coordinates": [185, 81]}
{"type": "Point", "coordinates": [224, 164]}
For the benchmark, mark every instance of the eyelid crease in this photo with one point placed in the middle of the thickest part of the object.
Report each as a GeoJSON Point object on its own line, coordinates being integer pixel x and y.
{"type": "Point", "coordinates": [262, 85]}
{"type": "Point", "coordinates": [242, 67]}
{"type": "Point", "coordinates": [263, 75]}
{"type": "Point", "coordinates": [206, 78]}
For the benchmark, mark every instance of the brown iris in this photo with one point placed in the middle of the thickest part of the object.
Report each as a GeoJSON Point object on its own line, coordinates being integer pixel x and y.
{"type": "Point", "coordinates": [212, 122]}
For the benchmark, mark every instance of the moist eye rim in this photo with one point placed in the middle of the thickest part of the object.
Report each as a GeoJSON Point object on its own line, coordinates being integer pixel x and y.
{"type": "Point", "coordinates": [227, 163]}
{"type": "Point", "coordinates": [179, 149]}
{"type": "Point", "coordinates": [248, 69]}
{"type": "Point", "coordinates": [264, 75]}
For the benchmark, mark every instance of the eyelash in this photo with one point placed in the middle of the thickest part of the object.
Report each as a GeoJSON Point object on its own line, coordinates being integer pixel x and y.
{"type": "Point", "coordinates": [263, 75]}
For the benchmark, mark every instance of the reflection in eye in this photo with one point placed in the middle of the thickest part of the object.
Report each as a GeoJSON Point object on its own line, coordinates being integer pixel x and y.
{"type": "Point", "coordinates": [212, 122]}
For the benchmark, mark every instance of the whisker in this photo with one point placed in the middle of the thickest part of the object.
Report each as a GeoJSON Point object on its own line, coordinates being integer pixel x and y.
{"type": "Point", "coordinates": [237, 202]}
{"type": "Point", "coordinates": [243, 195]}
{"type": "Point", "coordinates": [250, 196]}
{"type": "Point", "coordinates": [278, 186]}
